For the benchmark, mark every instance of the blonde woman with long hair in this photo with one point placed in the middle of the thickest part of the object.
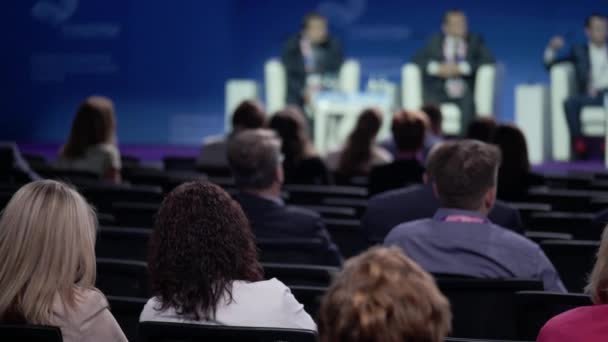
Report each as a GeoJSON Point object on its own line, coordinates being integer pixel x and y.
{"type": "Point", "coordinates": [47, 273]}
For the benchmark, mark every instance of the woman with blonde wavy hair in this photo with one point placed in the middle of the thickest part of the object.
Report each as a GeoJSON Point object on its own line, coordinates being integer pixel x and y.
{"type": "Point", "coordinates": [47, 273]}
{"type": "Point", "coordinates": [384, 296]}
{"type": "Point", "coordinates": [585, 323]}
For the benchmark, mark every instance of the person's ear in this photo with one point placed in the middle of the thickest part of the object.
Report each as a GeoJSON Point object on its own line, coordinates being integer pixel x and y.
{"type": "Point", "coordinates": [435, 190]}
{"type": "Point", "coordinates": [280, 174]}
{"type": "Point", "coordinates": [490, 198]}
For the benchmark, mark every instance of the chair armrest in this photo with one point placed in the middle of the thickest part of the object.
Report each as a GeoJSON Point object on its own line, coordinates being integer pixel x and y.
{"type": "Point", "coordinates": [411, 86]}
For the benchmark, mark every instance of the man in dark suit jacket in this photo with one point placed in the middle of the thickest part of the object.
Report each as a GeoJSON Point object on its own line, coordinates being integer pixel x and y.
{"type": "Point", "coordinates": [389, 209]}
{"type": "Point", "coordinates": [449, 62]}
{"type": "Point", "coordinates": [591, 67]}
{"type": "Point", "coordinates": [256, 162]}
{"type": "Point", "coordinates": [311, 54]}
{"type": "Point", "coordinates": [409, 132]}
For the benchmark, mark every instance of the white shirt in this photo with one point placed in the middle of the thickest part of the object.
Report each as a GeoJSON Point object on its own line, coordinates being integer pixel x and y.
{"type": "Point", "coordinates": [97, 159]}
{"type": "Point", "coordinates": [266, 303]}
{"type": "Point", "coordinates": [451, 45]}
{"type": "Point", "coordinates": [598, 55]}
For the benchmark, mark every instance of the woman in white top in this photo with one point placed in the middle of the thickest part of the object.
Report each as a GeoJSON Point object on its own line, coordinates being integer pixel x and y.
{"type": "Point", "coordinates": [47, 273]}
{"type": "Point", "coordinates": [204, 267]}
{"type": "Point", "coordinates": [360, 153]}
{"type": "Point", "coordinates": [91, 145]}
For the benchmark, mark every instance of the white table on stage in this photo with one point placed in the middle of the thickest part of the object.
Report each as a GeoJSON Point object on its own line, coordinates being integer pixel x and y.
{"type": "Point", "coordinates": [532, 116]}
{"type": "Point", "coordinates": [335, 115]}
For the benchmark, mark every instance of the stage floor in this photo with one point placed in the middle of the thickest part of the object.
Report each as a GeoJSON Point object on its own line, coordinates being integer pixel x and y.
{"type": "Point", "coordinates": [153, 154]}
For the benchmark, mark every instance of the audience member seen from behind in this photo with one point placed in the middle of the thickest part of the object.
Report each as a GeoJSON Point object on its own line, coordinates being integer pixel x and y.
{"type": "Point", "coordinates": [460, 239]}
{"type": "Point", "coordinates": [389, 209]}
{"type": "Point", "coordinates": [255, 160]}
{"type": "Point", "coordinates": [382, 295]}
{"type": "Point", "coordinates": [482, 129]}
{"type": "Point", "coordinates": [360, 154]}
{"type": "Point", "coordinates": [91, 145]}
{"type": "Point", "coordinates": [204, 266]}
{"type": "Point", "coordinates": [514, 175]}
{"type": "Point", "coordinates": [587, 323]}
{"type": "Point", "coordinates": [13, 167]}
{"type": "Point", "coordinates": [409, 131]}
{"type": "Point", "coordinates": [302, 164]}
{"type": "Point", "coordinates": [248, 115]}
{"type": "Point", "coordinates": [47, 277]}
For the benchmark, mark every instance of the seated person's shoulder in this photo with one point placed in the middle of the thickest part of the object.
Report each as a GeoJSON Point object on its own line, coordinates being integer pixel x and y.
{"type": "Point", "coordinates": [297, 212]}
{"type": "Point", "coordinates": [567, 326]}
{"type": "Point", "coordinates": [89, 303]}
{"type": "Point", "coordinates": [214, 140]}
{"type": "Point", "coordinates": [396, 194]}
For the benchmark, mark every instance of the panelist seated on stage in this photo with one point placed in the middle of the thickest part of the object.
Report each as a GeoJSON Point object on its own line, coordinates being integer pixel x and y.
{"type": "Point", "coordinates": [590, 61]}
{"type": "Point", "coordinates": [312, 58]}
{"type": "Point", "coordinates": [460, 239]}
{"type": "Point", "coordinates": [449, 62]}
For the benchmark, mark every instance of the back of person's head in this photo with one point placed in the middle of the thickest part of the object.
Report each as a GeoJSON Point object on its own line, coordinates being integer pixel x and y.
{"type": "Point", "coordinates": [514, 149]}
{"type": "Point", "coordinates": [409, 130]}
{"type": "Point", "coordinates": [435, 117]}
{"type": "Point", "coordinates": [94, 123]}
{"type": "Point", "coordinates": [47, 248]}
{"type": "Point", "coordinates": [358, 148]}
{"type": "Point", "coordinates": [291, 126]}
{"type": "Point", "coordinates": [201, 243]}
{"type": "Point", "coordinates": [248, 115]}
{"type": "Point", "coordinates": [382, 295]}
{"type": "Point", "coordinates": [482, 129]}
{"type": "Point", "coordinates": [465, 173]}
{"type": "Point", "coordinates": [255, 159]}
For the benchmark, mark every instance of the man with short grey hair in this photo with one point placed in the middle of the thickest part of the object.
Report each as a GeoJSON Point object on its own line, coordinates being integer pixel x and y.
{"type": "Point", "coordinates": [256, 162]}
{"type": "Point", "coordinates": [460, 239]}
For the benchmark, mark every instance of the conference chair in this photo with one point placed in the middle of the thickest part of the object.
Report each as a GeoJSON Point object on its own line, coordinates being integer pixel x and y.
{"type": "Point", "coordinates": [564, 199]}
{"type": "Point", "coordinates": [580, 225]}
{"type": "Point", "coordinates": [103, 196]}
{"type": "Point", "coordinates": [484, 308]}
{"type": "Point", "coordinates": [539, 237]}
{"type": "Point", "coordinates": [30, 333]}
{"type": "Point", "coordinates": [126, 311]}
{"type": "Point", "coordinates": [123, 243]}
{"type": "Point", "coordinates": [573, 260]}
{"type": "Point", "coordinates": [485, 95]}
{"type": "Point", "coordinates": [166, 332]}
{"type": "Point", "coordinates": [300, 275]}
{"type": "Point", "coordinates": [297, 251]}
{"type": "Point", "coordinates": [135, 214]}
{"type": "Point", "coordinates": [535, 308]}
{"type": "Point", "coordinates": [593, 118]}
{"type": "Point", "coordinates": [315, 194]}
{"type": "Point", "coordinates": [275, 79]}
{"type": "Point", "coordinates": [122, 277]}
{"type": "Point", "coordinates": [348, 235]}
{"type": "Point", "coordinates": [174, 163]}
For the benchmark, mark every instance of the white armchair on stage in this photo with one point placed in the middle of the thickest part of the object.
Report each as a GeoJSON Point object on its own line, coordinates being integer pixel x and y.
{"type": "Point", "coordinates": [486, 82]}
{"type": "Point", "coordinates": [275, 80]}
{"type": "Point", "coordinates": [593, 118]}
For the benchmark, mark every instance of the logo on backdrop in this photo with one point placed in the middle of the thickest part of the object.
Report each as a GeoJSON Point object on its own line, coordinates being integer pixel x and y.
{"type": "Point", "coordinates": [54, 12]}
{"type": "Point", "coordinates": [343, 14]}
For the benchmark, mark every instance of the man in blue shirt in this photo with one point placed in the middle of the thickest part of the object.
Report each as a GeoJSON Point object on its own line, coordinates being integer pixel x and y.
{"type": "Point", "coordinates": [460, 239]}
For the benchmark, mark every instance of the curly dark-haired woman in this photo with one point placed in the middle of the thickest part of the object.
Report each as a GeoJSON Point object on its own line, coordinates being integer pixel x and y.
{"type": "Point", "coordinates": [204, 266]}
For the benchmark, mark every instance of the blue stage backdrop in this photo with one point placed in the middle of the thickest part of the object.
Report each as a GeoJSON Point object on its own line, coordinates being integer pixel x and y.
{"type": "Point", "coordinates": [165, 63]}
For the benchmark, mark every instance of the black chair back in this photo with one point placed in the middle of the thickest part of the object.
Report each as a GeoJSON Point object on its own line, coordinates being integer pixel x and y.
{"type": "Point", "coordinates": [484, 308]}
{"type": "Point", "coordinates": [573, 260]}
{"type": "Point", "coordinates": [165, 332]}
{"type": "Point", "coordinates": [579, 224]}
{"type": "Point", "coordinates": [535, 308]}
{"type": "Point", "coordinates": [348, 235]}
{"type": "Point", "coordinates": [123, 243]}
{"type": "Point", "coordinates": [173, 163]}
{"type": "Point", "coordinates": [135, 214]}
{"type": "Point", "coordinates": [126, 278]}
{"type": "Point", "coordinates": [315, 194]}
{"type": "Point", "coordinates": [301, 275]}
{"type": "Point", "coordinates": [30, 333]}
{"type": "Point", "coordinates": [297, 251]}
{"type": "Point", "coordinates": [104, 196]}
{"type": "Point", "coordinates": [127, 310]}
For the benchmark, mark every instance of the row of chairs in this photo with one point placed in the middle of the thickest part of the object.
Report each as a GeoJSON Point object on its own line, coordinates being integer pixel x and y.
{"type": "Point", "coordinates": [508, 309]}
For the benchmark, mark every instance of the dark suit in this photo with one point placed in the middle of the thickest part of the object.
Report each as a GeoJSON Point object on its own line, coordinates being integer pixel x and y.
{"type": "Point", "coordinates": [579, 56]}
{"type": "Point", "coordinates": [293, 61]}
{"type": "Point", "coordinates": [434, 87]}
{"type": "Point", "coordinates": [274, 220]}
{"type": "Point", "coordinates": [389, 209]}
{"type": "Point", "coordinates": [395, 175]}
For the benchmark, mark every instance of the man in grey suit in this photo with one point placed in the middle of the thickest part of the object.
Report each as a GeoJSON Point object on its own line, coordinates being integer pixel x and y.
{"type": "Point", "coordinates": [449, 62]}
{"type": "Point", "coordinates": [460, 239]}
